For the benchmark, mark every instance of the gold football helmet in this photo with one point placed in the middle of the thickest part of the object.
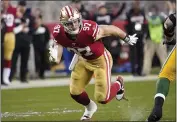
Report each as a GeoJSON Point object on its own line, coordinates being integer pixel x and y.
{"type": "Point", "coordinates": [71, 19]}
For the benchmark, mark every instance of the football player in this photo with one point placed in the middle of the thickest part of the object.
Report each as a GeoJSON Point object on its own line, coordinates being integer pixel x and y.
{"type": "Point", "coordinates": [83, 37]}
{"type": "Point", "coordinates": [9, 15]}
{"type": "Point", "coordinates": [168, 71]}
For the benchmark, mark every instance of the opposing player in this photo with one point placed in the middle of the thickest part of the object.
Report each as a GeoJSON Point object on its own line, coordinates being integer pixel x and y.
{"type": "Point", "coordinates": [8, 14]}
{"type": "Point", "coordinates": [83, 37]}
{"type": "Point", "coordinates": [168, 71]}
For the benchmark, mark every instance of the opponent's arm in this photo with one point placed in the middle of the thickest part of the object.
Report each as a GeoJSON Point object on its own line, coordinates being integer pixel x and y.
{"type": "Point", "coordinates": [169, 29]}
{"type": "Point", "coordinates": [111, 30]}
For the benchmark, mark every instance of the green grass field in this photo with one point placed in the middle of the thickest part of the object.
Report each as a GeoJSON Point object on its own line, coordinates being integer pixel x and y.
{"type": "Point", "coordinates": [55, 104]}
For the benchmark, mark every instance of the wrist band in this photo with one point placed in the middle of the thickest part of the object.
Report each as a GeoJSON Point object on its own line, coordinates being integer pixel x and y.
{"type": "Point", "coordinates": [126, 39]}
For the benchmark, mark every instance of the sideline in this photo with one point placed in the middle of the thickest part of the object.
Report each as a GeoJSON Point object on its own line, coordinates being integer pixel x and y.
{"type": "Point", "coordinates": [65, 82]}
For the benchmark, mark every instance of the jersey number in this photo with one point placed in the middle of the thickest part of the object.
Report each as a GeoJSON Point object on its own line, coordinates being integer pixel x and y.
{"type": "Point", "coordinates": [79, 51]}
{"type": "Point", "coordinates": [56, 29]}
{"type": "Point", "coordinates": [86, 26]}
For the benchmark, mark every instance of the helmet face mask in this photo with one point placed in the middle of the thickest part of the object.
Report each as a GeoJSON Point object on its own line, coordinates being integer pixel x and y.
{"type": "Point", "coordinates": [71, 20]}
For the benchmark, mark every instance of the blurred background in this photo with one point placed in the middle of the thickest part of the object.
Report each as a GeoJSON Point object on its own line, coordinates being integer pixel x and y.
{"type": "Point", "coordinates": [142, 17]}
{"type": "Point", "coordinates": [24, 76]}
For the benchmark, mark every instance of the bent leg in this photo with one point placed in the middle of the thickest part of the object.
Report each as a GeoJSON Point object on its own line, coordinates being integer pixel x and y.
{"type": "Point", "coordinates": [104, 90]}
{"type": "Point", "coordinates": [80, 77]}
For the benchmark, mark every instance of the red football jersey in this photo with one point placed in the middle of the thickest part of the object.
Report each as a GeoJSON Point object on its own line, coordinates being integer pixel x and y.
{"type": "Point", "coordinates": [85, 38]}
{"type": "Point", "coordinates": [9, 17]}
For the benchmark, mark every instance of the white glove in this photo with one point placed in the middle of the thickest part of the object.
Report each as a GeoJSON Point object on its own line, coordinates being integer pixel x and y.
{"type": "Point", "coordinates": [131, 39]}
{"type": "Point", "coordinates": [53, 52]}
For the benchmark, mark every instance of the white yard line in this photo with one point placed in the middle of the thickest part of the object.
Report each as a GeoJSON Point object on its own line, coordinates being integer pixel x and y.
{"type": "Point", "coordinates": [65, 81]}
{"type": "Point", "coordinates": [34, 113]}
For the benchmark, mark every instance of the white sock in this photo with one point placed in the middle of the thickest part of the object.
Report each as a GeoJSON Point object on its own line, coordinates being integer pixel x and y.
{"type": "Point", "coordinates": [6, 74]}
{"type": "Point", "coordinates": [160, 95]}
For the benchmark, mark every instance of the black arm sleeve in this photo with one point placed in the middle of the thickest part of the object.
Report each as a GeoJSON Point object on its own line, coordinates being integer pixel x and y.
{"type": "Point", "coordinates": [169, 29]}
{"type": "Point", "coordinates": [173, 42]}
{"type": "Point", "coordinates": [169, 25]}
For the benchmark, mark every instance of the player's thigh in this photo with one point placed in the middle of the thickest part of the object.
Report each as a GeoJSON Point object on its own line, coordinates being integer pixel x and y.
{"type": "Point", "coordinates": [80, 77]}
{"type": "Point", "coordinates": [169, 68]}
{"type": "Point", "coordinates": [9, 45]}
{"type": "Point", "coordinates": [103, 78]}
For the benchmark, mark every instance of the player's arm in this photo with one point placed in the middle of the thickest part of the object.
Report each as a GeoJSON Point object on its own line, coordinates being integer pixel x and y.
{"type": "Point", "coordinates": [169, 29]}
{"type": "Point", "coordinates": [55, 52]}
{"type": "Point", "coordinates": [55, 49]}
{"type": "Point", "coordinates": [60, 53]}
{"type": "Point", "coordinates": [111, 30]}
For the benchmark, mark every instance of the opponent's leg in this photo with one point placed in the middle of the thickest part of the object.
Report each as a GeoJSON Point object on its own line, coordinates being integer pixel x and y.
{"type": "Point", "coordinates": [80, 77]}
{"type": "Point", "coordinates": [9, 44]}
{"type": "Point", "coordinates": [166, 75]}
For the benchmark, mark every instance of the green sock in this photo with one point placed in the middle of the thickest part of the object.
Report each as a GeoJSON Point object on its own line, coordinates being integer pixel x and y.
{"type": "Point", "coordinates": [162, 86]}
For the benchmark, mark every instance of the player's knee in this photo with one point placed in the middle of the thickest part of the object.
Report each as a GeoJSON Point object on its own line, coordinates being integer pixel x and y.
{"type": "Point", "coordinates": [75, 90]}
{"type": "Point", "coordinates": [8, 53]}
{"type": "Point", "coordinates": [100, 98]}
{"type": "Point", "coordinates": [9, 46]}
{"type": "Point", "coordinates": [8, 56]}
{"type": "Point", "coordinates": [167, 76]}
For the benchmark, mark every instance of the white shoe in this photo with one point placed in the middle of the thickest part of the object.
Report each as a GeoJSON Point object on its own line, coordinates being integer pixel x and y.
{"type": "Point", "coordinates": [6, 81]}
{"type": "Point", "coordinates": [6, 73]}
{"type": "Point", "coordinates": [90, 109]}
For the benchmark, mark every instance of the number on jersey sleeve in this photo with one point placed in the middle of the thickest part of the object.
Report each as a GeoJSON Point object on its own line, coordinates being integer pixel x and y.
{"type": "Point", "coordinates": [55, 32]}
{"type": "Point", "coordinates": [92, 28]}
{"type": "Point", "coordinates": [56, 29]}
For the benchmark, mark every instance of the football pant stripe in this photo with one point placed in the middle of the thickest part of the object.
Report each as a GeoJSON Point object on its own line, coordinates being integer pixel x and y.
{"type": "Point", "coordinates": [107, 74]}
{"type": "Point", "coordinates": [69, 11]}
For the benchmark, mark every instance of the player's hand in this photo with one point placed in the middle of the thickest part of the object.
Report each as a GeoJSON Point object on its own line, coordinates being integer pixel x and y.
{"type": "Point", "coordinates": [131, 39]}
{"type": "Point", "coordinates": [155, 115]}
{"type": "Point", "coordinates": [53, 53]}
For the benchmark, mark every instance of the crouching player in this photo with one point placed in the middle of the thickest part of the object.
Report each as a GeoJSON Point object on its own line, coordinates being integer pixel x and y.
{"type": "Point", "coordinates": [168, 71]}
{"type": "Point", "coordinates": [83, 37]}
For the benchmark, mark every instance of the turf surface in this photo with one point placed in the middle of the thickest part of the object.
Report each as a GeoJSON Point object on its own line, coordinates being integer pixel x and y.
{"type": "Point", "coordinates": [55, 104]}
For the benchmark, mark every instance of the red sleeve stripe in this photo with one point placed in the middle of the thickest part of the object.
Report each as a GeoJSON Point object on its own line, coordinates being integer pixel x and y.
{"type": "Point", "coordinates": [95, 31]}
